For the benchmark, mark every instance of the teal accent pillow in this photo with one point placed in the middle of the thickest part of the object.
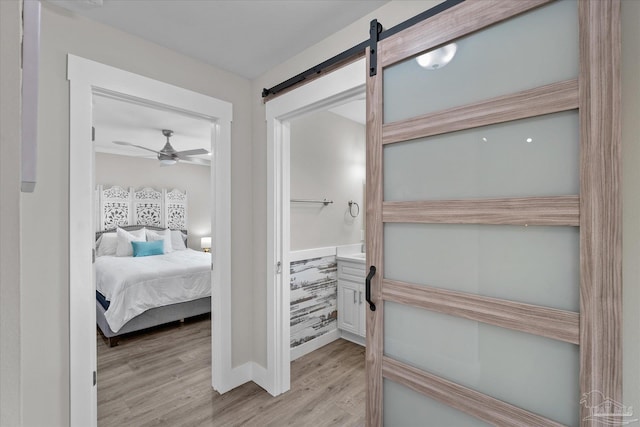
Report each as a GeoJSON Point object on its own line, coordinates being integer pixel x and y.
{"type": "Point", "coordinates": [148, 248]}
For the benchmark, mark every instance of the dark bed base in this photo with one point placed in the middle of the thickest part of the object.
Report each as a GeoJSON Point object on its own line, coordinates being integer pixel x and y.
{"type": "Point", "coordinates": [153, 317]}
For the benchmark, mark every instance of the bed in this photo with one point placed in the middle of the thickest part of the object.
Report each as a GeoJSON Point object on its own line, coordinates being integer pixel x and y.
{"type": "Point", "coordinates": [135, 293]}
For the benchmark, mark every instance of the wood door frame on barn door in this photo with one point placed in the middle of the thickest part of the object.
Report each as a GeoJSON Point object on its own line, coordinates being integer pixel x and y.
{"type": "Point", "coordinates": [596, 210]}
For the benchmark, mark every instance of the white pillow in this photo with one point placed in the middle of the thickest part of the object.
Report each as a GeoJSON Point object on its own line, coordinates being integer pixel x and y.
{"type": "Point", "coordinates": [177, 240]}
{"type": "Point", "coordinates": [107, 244]}
{"type": "Point", "coordinates": [125, 238]}
{"type": "Point", "coordinates": [161, 235]}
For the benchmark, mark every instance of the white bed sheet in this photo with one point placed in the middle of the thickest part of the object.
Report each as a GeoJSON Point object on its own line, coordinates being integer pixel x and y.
{"type": "Point", "coordinates": [134, 285]}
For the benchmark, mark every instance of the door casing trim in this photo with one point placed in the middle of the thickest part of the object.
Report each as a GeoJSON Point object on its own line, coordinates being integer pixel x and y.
{"type": "Point", "coordinates": [338, 87]}
{"type": "Point", "coordinates": [85, 78]}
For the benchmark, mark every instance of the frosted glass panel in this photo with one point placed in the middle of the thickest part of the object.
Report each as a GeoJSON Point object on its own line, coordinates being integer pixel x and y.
{"type": "Point", "coordinates": [530, 157]}
{"type": "Point", "coordinates": [535, 373]}
{"type": "Point", "coordinates": [531, 50]}
{"type": "Point", "coordinates": [535, 265]}
{"type": "Point", "coordinates": [404, 407]}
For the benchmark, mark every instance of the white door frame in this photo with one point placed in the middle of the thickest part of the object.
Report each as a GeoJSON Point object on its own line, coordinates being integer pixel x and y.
{"type": "Point", "coordinates": [85, 79]}
{"type": "Point", "coordinates": [338, 87]}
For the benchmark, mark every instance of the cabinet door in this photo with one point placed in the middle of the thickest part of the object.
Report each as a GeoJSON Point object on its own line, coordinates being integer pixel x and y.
{"type": "Point", "coordinates": [348, 306]}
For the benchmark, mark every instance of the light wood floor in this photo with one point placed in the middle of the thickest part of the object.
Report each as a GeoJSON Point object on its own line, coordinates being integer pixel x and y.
{"type": "Point", "coordinates": [163, 378]}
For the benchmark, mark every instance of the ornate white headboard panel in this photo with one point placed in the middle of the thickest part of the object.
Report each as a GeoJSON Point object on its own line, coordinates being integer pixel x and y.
{"type": "Point", "coordinates": [115, 207]}
{"type": "Point", "coordinates": [145, 206]}
{"type": "Point", "coordinates": [176, 209]}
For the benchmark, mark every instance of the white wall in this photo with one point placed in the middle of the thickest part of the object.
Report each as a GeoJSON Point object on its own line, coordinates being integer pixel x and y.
{"type": "Point", "coordinates": [112, 169]}
{"type": "Point", "coordinates": [388, 15]}
{"type": "Point", "coordinates": [327, 161]}
{"type": "Point", "coordinates": [10, 389]}
{"type": "Point", "coordinates": [44, 321]}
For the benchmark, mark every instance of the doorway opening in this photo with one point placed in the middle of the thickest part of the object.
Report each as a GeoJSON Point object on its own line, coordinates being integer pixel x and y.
{"type": "Point", "coordinates": [89, 79]}
{"type": "Point", "coordinates": [327, 173]}
{"type": "Point", "coordinates": [343, 86]}
{"type": "Point", "coordinates": [152, 308]}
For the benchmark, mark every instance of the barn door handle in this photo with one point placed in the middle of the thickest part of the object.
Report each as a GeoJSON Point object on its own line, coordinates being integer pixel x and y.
{"type": "Point", "coordinates": [367, 287]}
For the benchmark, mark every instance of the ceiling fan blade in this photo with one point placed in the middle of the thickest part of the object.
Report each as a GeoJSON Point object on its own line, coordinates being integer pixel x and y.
{"type": "Point", "coordinates": [134, 145]}
{"type": "Point", "coordinates": [198, 161]}
{"type": "Point", "coordinates": [196, 152]}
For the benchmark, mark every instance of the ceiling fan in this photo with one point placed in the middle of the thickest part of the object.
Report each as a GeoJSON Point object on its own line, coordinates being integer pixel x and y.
{"type": "Point", "coordinates": [168, 155]}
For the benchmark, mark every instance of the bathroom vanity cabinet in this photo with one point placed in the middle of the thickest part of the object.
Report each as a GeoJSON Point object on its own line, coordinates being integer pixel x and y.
{"type": "Point", "coordinates": [351, 297]}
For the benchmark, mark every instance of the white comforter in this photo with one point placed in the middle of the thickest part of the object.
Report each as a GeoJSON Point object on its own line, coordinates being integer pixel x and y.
{"type": "Point", "coordinates": [134, 285]}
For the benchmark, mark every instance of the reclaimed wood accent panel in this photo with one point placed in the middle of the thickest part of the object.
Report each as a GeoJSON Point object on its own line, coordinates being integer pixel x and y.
{"type": "Point", "coordinates": [543, 321]}
{"type": "Point", "coordinates": [314, 298]}
{"type": "Point", "coordinates": [464, 399]}
{"type": "Point", "coordinates": [547, 99]}
{"type": "Point", "coordinates": [460, 20]}
{"type": "Point", "coordinates": [600, 205]}
{"type": "Point", "coordinates": [560, 210]}
{"type": "Point", "coordinates": [374, 319]}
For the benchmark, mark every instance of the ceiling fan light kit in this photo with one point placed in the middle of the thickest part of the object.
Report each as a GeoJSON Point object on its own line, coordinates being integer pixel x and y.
{"type": "Point", "coordinates": [168, 155]}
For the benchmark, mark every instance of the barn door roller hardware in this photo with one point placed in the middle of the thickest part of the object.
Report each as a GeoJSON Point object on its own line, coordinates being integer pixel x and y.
{"type": "Point", "coordinates": [358, 50]}
{"type": "Point", "coordinates": [375, 28]}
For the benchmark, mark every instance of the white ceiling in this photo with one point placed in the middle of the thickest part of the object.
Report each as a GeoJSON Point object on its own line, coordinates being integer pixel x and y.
{"type": "Point", "coordinates": [116, 120]}
{"type": "Point", "coordinates": [246, 37]}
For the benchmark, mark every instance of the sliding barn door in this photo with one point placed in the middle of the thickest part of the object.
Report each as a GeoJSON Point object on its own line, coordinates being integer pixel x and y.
{"type": "Point", "coordinates": [493, 217]}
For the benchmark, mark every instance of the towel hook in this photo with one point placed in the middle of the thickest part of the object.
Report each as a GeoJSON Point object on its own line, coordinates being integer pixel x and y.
{"type": "Point", "coordinates": [351, 203]}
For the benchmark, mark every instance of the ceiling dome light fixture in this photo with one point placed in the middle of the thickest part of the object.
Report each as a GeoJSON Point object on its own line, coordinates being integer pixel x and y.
{"type": "Point", "coordinates": [168, 162]}
{"type": "Point", "coordinates": [437, 58]}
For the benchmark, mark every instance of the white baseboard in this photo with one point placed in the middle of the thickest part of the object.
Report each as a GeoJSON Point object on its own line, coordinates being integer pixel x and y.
{"type": "Point", "coordinates": [238, 376]}
{"type": "Point", "coordinates": [250, 371]}
{"type": "Point", "coordinates": [353, 338]}
{"type": "Point", "coordinates": [314, 344]}
{"type": "Point", "coordinates": [241, 374]}
{"type": "Point", "coordinates": [261, 377]}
